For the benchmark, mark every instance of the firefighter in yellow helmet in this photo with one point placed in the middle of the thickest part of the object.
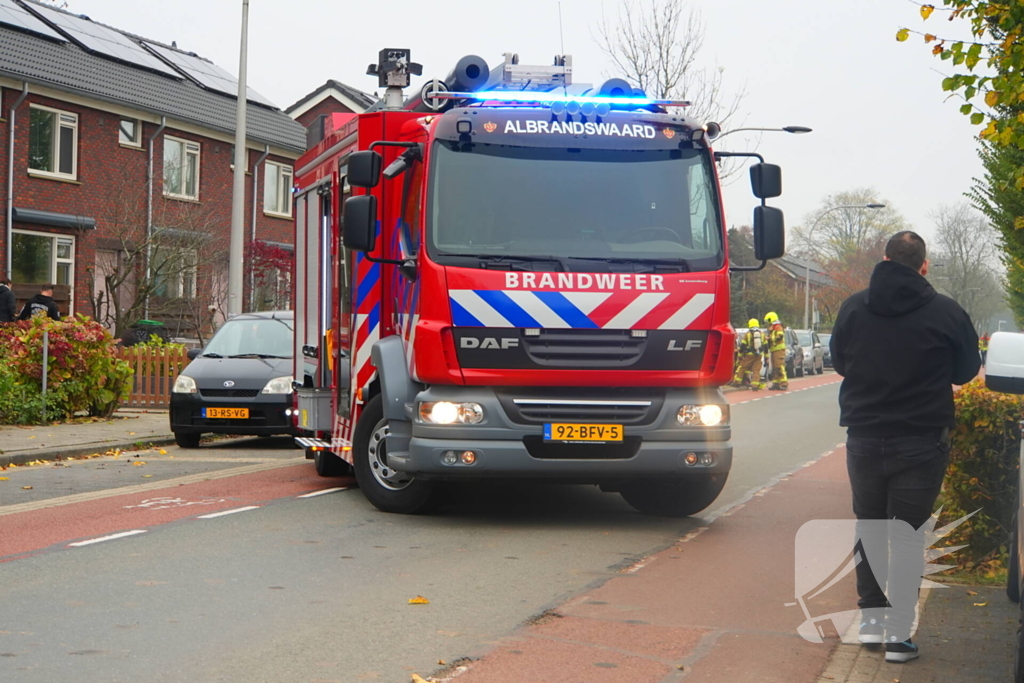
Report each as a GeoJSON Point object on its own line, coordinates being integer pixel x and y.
{"type": "Point", "coordinates": [776, 342]}
{"type": "Point", "coordinates": [748, 370]}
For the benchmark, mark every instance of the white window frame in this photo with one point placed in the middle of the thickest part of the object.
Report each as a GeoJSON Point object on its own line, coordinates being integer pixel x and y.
{"type": "Point", "coordinates": [64, 119]}
{"type": "Point", "coordinates": [188, 147]}
{"type": "Point", "coordinates": [125, 140]}
{"type": "Point", "coordinates": [283, 188]}
{"type": "Point", "coordinates": [56, 237]}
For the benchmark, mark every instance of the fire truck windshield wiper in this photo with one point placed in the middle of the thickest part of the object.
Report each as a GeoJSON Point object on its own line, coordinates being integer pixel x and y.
{"type": "Point", "coordinates": [498, 258]}
{"type": "Point", "coordinates": [680, 263]}
{"type": "Point", "coordinates": [255, 355]}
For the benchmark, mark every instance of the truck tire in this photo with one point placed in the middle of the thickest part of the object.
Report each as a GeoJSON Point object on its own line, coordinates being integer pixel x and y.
{"type": "Point", "coordinates": [187, 439]}
{"type": "Point", "coordinates": [386, 489]}
{"type": "Point", "coordinates": [674, 497]}
{"type": "Point", "coordinates": [330, 465]}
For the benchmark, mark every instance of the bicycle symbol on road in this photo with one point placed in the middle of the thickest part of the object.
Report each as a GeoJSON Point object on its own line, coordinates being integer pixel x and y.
{"type": "Point", "coordinates": [164, 503]}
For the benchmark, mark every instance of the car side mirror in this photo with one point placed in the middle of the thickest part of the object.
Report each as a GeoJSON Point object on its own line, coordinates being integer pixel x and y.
{"type": "Point", "coordinates": [1004, 363]}
{"type": "Point", "coordinates": [766, 180]}
{"type": "Point", "coordinates": [192, 354]}
{"type": "Point", "coordinates": [361, 223]}
{"type": "Point", "coordinates": [364, 168]}
{"type": "Point", "coordinates": [769, 233]}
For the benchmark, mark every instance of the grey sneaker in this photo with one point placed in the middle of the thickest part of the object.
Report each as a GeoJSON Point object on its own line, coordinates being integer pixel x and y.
{"type": "Point", "coordinates": [871, 632]}
{"type": "Point", "coordinates": [901, 652]}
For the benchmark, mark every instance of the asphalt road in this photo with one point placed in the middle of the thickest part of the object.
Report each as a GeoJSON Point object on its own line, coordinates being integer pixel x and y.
{"type": "Point", "coordinates": [317, 588]}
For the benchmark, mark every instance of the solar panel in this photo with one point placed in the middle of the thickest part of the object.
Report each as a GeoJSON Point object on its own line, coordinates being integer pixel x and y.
{"type": "Point", "coordinates": [13, 14]}
{"type": "Point", "coordinates": [206, 74]}
{"type": "Point", "coordinates": [103, 40]}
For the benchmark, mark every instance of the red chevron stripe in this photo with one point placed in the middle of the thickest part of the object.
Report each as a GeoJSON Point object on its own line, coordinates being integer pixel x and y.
{"type": "Point", "coordinates": [611, 307]}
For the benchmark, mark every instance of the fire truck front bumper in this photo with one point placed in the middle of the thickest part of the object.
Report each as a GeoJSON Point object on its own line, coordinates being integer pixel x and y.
{"type": "Point", "coordinates": [518, 435]}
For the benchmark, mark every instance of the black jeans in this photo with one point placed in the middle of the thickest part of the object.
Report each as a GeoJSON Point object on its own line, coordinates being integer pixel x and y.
{"type": "Point", "coordinates": [894, 478]}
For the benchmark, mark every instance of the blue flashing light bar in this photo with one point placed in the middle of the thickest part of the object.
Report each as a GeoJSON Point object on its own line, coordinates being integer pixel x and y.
{"type": "Point", "coordinates": [552, 97]}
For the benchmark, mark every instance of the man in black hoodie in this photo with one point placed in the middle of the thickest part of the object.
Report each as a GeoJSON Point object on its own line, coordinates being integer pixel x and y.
{"type": "Point", "coordinates": [41, 303]}
{"type": "Point", "coordinates": [8, 313]}
{"type": "Point", "coordinates": [900, 347]}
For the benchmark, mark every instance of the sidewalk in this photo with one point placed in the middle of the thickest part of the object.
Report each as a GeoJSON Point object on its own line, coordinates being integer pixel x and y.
{"type": "Point", "coordinates": [22, 444]}
{"type": "Point", "coordinates": [712, 608]}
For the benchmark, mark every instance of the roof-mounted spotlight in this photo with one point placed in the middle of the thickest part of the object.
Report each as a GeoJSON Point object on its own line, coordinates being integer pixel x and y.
{"type": "Point", "coordinates": [712, 129]}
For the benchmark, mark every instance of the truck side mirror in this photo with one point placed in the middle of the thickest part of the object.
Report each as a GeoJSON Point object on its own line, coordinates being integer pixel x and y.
{"type": "Point", "coordinates": [769, 233]}
{"type": "Point", "coordinates": [361, 223]}
{"type": "Point", "coordinates": [364, 168]}
{"type": "Point", "coordinates": [1004, 363]}
{"type": "Point", "coordinates": [766, 180]}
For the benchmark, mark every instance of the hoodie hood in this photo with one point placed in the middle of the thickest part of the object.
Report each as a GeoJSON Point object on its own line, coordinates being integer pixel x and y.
{"type": "Point", "coordinates": [897, 289]}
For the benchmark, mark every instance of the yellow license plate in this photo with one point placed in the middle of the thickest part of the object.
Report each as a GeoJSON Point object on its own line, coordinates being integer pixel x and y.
{"type": "Point", "coordinates": [559, 431]}
{"type": "Point", "coordinates": [232, 413]}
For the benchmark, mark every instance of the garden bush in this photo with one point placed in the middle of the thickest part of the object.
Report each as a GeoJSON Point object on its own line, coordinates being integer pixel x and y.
{"type": "Point", "coordinates": [982, 475]}
{"type": "Point", "coordinates": [84, 373]}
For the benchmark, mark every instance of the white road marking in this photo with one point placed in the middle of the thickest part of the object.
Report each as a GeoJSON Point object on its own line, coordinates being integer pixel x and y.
{"type": "Point", "coordinates": [106, 538]}
{"type": "Point", "coordinates": [228, 512]}
{"type": "Point", "coordinates": [322, 492]}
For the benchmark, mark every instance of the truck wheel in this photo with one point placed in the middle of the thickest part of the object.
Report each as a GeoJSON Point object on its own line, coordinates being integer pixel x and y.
{"type": "Point", "coordinates": [674, 497]}
{"type": "Point", "coordinates": [387, 489]}
{"type": "Point", "coordinates": [187, 439]}
{"type": "Point", "coordinates": [330, 465]}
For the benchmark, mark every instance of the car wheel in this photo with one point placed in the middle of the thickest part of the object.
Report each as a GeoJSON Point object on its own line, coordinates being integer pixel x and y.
{"type": "Point", "coordinates": [821, 368]}
{"type": "Point", "coordinates": [387, 489]}
{"type": "Point", "coordinates": [674, 497]}
{"type": "Point", "coordinates": [187, 439]}
{"type": "Point", "coordinates": [330, 465]}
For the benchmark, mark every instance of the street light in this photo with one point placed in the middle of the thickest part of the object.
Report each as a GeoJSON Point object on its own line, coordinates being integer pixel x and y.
{"type": "Point", "coordinates": [784, 129]}
{"type": "Point", "coordinates": [807, 266]}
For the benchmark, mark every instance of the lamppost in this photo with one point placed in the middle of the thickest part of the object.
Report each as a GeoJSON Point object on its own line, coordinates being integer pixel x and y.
{"type": "Point", "coordinates": [807, 265]}
{"type": "Point", "coordinates": [784, 129]}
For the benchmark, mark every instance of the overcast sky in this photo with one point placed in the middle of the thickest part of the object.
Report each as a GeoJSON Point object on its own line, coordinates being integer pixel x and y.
{"type": "Point", "coordinates": [876, 106]}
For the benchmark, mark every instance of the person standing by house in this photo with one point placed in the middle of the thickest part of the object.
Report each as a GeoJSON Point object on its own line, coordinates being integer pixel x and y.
{"type": "Point", "coordinates": [8, 312]}
{"type": "Point", "coordinates": [41, 303]}
{"type": "Point", "coordinates": [900, 347]}
{"type": "Point", "coordinates": [777, 349]}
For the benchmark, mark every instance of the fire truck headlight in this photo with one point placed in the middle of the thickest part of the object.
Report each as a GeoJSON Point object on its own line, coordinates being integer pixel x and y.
{"type": "Point", "coordinates": [446, 413]}
{"type": "Point", "coordinates": [185, 385]}
{"type": "Point", "coordinates": [711, 415]}
{"type": "Point", "coordinates": [278, 385]}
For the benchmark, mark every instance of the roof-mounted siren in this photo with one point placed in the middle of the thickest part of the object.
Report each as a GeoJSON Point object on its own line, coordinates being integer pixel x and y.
{"type": "Point", "coordinates": [470, 74]}
{"type": "Point", "coordinates": [545, 78]}
{"type": "Point", "coordinates": [394, 69]}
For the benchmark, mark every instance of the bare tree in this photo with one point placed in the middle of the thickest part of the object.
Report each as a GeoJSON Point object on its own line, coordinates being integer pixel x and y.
{"type": "Point", "coordinates": [964, 261]}
{"type": "Point", "coordinates": [829, 235]}
{"type": "Point", "coordinates": [655, 45]}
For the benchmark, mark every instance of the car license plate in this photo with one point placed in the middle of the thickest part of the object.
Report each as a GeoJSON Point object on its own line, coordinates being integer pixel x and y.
{"type": "Point", "coordinates": [559, 431]}
{"type": "Point", "coordinates": [232, 413]}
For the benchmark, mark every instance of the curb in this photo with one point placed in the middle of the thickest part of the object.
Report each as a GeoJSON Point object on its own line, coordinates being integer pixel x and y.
{"type": "Point", "coordinates": [22, 457]}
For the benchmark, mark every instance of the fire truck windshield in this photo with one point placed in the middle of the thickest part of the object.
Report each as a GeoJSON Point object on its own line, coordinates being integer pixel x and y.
{"type": "Point", "coordinates": [501, 205]}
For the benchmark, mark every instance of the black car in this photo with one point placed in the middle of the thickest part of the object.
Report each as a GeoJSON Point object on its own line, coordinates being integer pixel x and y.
{"type": "Point", "coordinates": [240, 383]}
{"type": "Point", "coordinates": [827, 356]}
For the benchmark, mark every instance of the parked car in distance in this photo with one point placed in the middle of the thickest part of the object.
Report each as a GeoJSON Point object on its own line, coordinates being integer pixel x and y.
{"type": "Point", "coordinates": [239, 383]}
{"type": "Point", "coordinates": [826, 354]}
{"type": "Point", "coordinates": [814, 362]}
{"type": "Point", "coordinates": [794, 354]}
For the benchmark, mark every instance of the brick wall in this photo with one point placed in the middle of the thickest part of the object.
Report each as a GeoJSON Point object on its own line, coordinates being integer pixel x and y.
{"type": "Point", "coordinates": [111, 188]}
{"type": "Point", "coordinates": [328, 106]}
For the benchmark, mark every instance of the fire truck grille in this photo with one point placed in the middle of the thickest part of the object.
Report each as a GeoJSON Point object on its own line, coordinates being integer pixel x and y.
{"type": "Point", "coordinates": [584, 348]}
{"type": "Point", "coordinates": [230, 393]}
{"type": "Point", "coordinates": [620, 406]}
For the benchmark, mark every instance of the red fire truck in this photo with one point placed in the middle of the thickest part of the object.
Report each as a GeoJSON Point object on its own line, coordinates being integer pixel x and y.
{"type": "Point", "coordinates": [536, 286]}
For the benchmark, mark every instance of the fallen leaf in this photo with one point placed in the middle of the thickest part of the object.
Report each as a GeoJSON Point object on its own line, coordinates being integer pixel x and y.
{"type": "Point", "coordinates": [416, 678]}
{"type": "Point", "coordinates": [146, 476]}
{"type": "Point", "coordinates": [419, 600]}
{"type": "Point", "coordinates": [980, 604]}
{"type": "Point", "coordinates": [137, 463]}
{"type": "Point", "coordinates": [5, 478]}
{"type": "Point", "coordinates": [972, 592]}
{"type": "Point", "coordinates": [163, 452]}
{"type": "Point", "coordinates": [26, 488]}
{"type": "Point", "coordinates": [131, 433]}
{"type": "Point", "coordinates": [441, 662]}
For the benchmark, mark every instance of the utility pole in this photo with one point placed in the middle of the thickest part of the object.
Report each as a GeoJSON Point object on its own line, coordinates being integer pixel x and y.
{"type": "Point", "coordinates": [237, 250]}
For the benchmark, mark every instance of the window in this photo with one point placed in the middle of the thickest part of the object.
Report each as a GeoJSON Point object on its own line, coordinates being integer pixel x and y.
{"type": "Point", "coordinates": [130, 132]}
{"type": "Point", "coordinates": [181, 168]}
{"type": "Point", "coordinates": [174, 273]}
{"type": "Point", "coordinates": [53, 142]}
{"type": "Point", "coordinates": [277, 189]}
{"type": "Point", "coordinates": [411, 210]}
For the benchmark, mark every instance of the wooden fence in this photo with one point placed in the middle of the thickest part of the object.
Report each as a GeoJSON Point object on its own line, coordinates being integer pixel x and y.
{"type": "Point", "coordinates": [155, 371]}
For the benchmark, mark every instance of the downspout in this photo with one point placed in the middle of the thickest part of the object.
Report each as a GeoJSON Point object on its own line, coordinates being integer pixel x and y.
{"type": "Point", "coordinates": [252, 240]}
{"type": "Point", "coordinates": [149, 212]}
{"type": "Point", "coordinates": [11, 119]}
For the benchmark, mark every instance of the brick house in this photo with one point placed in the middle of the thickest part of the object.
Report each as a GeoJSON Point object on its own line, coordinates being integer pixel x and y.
{"type": "Point", "coordinates": [333, 97]}
{"type": "Point", "coordinates": [122, 158]}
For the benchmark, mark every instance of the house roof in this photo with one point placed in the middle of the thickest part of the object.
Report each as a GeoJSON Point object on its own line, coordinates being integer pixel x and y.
{"type": "Point", "coordinates": [797, 268]}
{"type": "Point", "coordinates": [67, 67]}
{"type": "Point", "coordinates": [355, 99]}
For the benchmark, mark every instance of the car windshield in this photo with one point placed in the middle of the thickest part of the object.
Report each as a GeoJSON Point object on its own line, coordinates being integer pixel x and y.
{"type": "Point", "coordinates": [252, 337]}
{"type": "Point", "coordinates": [824, 338]}
{"type": "Point", "coordinates": [573, 207]}
{"type": "Point", "coordinates": [804, 338]}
